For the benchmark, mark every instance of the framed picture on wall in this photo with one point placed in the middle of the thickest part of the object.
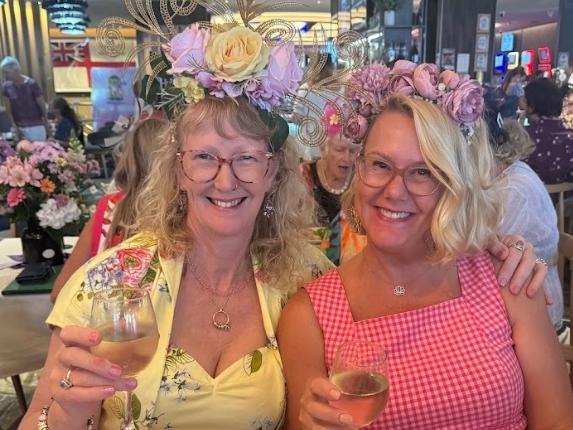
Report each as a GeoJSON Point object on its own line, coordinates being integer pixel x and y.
{"type": "Point", "coordinates": [482, 42]}
{"type": "Point", "coordinates": [480, 64]}
{"type": "Point", "coordinates": [483, 22]}
{"type": "Point", "coordinates": [448, 58]}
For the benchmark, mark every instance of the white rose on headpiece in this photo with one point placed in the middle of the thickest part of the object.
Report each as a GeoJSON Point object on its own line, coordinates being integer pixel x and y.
{"type": "Point", "coordinates": [237, 54]}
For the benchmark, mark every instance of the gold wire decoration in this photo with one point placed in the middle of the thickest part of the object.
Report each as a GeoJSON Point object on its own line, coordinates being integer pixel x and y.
{"type": "Point", "coordinates": [349, 46]}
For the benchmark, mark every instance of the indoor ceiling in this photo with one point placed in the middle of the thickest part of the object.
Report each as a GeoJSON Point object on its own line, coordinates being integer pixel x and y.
{"type": "Point", "coordinates": [99, 9]}
{"type": "Point", "coordinates": [516, 14]}
{"type": "Point", "coordinates": [511, 14]}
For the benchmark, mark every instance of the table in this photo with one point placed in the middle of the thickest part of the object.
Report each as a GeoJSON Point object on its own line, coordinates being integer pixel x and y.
{"type": "Point", "coordinates": [24, 336]}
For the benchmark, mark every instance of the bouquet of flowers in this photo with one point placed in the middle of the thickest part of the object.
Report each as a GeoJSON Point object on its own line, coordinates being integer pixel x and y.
{"type": "Point", "coordinates": [44, 184]}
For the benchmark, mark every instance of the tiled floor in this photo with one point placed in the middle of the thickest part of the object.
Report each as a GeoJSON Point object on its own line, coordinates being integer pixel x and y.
{"type": "Point", "coordinates": [10, 413]}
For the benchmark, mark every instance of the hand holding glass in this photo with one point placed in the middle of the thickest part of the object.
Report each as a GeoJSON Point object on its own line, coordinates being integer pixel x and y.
{"type": "Point", "coordinates": [127, 323]}
{"type": "Point", "coordinates": [359, 371]}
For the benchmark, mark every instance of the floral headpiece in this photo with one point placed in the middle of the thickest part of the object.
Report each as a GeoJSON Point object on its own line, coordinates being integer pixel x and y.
{"type": "Point", "coordinates": [332, 119]}
{"type": "Point", "coordinates": [233, 59]}
{"type": "Point", "coordinates": [369, 88]}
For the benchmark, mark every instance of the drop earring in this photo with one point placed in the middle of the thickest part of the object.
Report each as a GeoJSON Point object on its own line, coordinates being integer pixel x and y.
{"type": "Point", "coordinates": [268, 208]}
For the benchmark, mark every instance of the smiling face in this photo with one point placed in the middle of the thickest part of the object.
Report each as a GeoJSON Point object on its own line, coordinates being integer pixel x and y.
{"type": "Point", "coordinates": [225, 206]}
{"type": "Point", "coordinates": [340, 156]}
{"type": "Point", "coordinates": [394, 219]}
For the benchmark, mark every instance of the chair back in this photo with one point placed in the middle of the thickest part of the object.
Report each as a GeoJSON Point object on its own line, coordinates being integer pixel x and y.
{"type": "Point", "coordinates": [566, 256]}
{"type": "Point", "coordinates": [560, 189]}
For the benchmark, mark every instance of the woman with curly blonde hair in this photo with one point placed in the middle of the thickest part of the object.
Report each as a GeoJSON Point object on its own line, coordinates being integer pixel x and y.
{"type": "Point", "coordinates": [222, 245]}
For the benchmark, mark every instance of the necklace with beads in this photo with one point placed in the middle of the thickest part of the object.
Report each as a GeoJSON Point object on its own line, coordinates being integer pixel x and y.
{"type": "Point", "coordinates": [220, 318]}
{"type": "Point", "coordinates": [322, 177]}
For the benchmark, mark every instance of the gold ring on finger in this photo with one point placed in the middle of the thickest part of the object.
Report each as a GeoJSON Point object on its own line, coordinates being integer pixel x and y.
{"type": "Point", "coordinates": [66, 382]}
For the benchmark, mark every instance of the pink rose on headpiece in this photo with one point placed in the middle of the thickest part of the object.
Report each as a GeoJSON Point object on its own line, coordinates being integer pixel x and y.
{"type": "Point", "coordinates": [356, 127]}
{"type": "Point", "coordinates": [450, 79]}
{"type": "Point", "coordinates": [426, 80]}
{"type": "Point", "coordinates": [186, 51]}
{"type": "Point", "coordinates": [404, 67]}
{"type": "Point", "coordinates": [332, 119]}
{"type": "Point", "coordinates": [402, 84]}
{"type": "Point", "coordinates": [465, 104]}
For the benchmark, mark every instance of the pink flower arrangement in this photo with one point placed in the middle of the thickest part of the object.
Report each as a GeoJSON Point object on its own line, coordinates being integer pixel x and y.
{"type": "Point", "coordinates": [43, 178]}
{"type": "Point", "coordinates": [369, 88]}
{"type": "Point", "coordinates": [235, 62]}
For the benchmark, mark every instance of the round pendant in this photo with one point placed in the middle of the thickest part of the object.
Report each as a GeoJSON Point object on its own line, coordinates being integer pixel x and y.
{"type": "Point", "coordinates": [399, 290]}
{"type": "Point", "coordinates": [221, 320]}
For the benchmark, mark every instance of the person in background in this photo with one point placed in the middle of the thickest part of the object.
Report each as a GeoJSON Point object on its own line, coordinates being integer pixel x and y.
{"type": "Point", "coordinates": [461, 352]}
{"type": "Point", "coordinates": [520, 187]}
{"type": "Point", "coordinates": [329, 177]}
{"type": "Point", "coordinates": [317, 102]}
{"type": "Point", "coordinates": [551, 159]}
{"type": "Point", "coordinates": [115, 213]}
{"type": "Point", "coordinates": [508, 97]}
{"type": "Point", "coordinates": [24, 101]}
{"type": "Point", "coordinates": [67, 121]}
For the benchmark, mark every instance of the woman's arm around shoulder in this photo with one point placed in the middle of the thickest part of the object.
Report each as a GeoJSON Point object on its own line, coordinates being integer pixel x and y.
{"type": "Point", "coordinates": [548, 396]}
{"type": "Point", "coordinates": [302, 351]}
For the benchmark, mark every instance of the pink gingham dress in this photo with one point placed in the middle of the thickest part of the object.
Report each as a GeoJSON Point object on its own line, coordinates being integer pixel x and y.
{"type": "Point", "coordinates": [450, 365]}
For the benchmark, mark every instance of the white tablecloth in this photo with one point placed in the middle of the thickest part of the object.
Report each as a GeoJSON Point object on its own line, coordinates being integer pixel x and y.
{"type": "Point", "coordinates": [24, 336]}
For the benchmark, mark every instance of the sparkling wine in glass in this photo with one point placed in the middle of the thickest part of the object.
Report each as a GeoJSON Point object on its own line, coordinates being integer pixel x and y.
{"type": "Point", "coordinates": [126, 320]}
{"type": "Point", "coordinates": [359, 371]}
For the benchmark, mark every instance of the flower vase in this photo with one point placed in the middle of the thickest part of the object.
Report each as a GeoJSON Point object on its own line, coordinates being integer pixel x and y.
{"type": "Point", "coordinates": [38, 246]}
{"type": "Point", "coordinates": [389, 18]}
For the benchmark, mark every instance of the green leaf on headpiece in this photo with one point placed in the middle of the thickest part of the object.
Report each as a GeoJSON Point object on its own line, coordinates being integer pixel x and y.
{"type": "Point", "coordinates": [176, 98]}
{"type": "Point", "coordinates": [279, 126]}
{"type": "Point", "coordinates": [151, 96]}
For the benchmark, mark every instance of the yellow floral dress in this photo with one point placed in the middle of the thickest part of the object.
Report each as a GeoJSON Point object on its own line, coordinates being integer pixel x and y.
{"type": "Point", "coordinates": [174, 391]}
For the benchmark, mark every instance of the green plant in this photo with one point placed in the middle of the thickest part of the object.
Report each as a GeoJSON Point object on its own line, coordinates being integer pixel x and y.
{"type": "Point", "coordinates": [389, 4]}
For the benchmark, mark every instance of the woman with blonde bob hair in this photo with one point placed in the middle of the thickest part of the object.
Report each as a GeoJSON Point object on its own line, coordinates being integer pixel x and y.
{"type": "Point", "coordinates": [421, 300]}
{"type": "Point", "coordinates": [222, 246]}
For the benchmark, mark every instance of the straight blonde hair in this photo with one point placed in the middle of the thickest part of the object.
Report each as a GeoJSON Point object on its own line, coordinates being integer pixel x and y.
{"type": "Point", "coordinates": [467, 213]}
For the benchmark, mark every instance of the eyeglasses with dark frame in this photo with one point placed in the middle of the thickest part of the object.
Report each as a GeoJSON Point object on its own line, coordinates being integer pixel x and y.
{"type": "Point", "coordinates": [376, 172]}
{"type": "Point", "coordinates": [202, 166]}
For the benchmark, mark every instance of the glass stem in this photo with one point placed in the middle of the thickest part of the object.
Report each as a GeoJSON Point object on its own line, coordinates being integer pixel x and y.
{"type": "Point", "coordinates": [128, 423]}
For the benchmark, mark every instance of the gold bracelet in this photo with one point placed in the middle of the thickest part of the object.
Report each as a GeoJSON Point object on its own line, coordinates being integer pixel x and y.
{"type": "Point", "coordinates": [43, 419]}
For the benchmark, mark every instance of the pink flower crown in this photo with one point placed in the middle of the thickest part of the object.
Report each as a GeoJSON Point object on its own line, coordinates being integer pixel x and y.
{"type": "Point", "coordinates": [235, 62]}
{"type": "Point", "coordinates": [369, 88]}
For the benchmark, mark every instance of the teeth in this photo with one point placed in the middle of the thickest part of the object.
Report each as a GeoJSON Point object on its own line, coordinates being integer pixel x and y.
{"type": "Point", "coordinates": [393, 215]}
{"type": "Point", "coordinates": [223, 204]}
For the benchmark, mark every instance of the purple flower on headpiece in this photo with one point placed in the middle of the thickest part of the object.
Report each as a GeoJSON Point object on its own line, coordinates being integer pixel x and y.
{"type": "Point", "coordinates": [367, 87]}
{"type": "Point", "coordinates": [186, 51]}
{"type": "Point", "coordinates": [402, 84]}
{"type": "Point", "coordinates": [465, 104]}
{"type": "Point", "coordinates": [404, 67]}
{"type": "Point", "coordinates": [450, 79]}
{"type": "Point", "coordinates": [426, 80]}
{"type": "Point", "coordinates": [356, 127]}
{"type": "Point", "coordinates": [280, 78]}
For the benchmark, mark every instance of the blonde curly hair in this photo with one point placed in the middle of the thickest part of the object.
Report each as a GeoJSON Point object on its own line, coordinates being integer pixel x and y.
{"type": "Point", "coordinates": [278, 241]}
{"type": "Point", "coordinates": [467, 213]}
{"type": "Point", "coordinates": [515, 145]}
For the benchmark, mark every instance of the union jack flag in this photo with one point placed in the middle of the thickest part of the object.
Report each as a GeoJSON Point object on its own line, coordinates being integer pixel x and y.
{"type": "Point", "coordinates": [66, 52]}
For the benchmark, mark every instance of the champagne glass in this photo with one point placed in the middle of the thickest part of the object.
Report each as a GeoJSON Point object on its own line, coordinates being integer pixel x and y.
{"type": "Point", "coordinates": [359, 371]}
{"type": "Point", "coordinates": [126, 320]}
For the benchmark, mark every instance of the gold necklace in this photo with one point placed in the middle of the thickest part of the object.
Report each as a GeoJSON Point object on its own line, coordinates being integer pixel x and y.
{"type": "Point", "coordinates": [399, 288]}
{"type": "Point", "coordinates": [220, 318]}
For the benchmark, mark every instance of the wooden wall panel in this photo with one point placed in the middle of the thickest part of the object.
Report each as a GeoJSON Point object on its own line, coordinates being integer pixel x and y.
{"type": "Point", "coordinates": [24, 35]}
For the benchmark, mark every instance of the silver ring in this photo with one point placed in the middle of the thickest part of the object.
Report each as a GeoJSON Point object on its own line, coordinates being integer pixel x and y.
{"type": "Point", "coordinates": [541, 260]}
{"type": "Point", "coordinates": [66, 383]}
{"type": "Point", "coordinates": [519, 245]}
